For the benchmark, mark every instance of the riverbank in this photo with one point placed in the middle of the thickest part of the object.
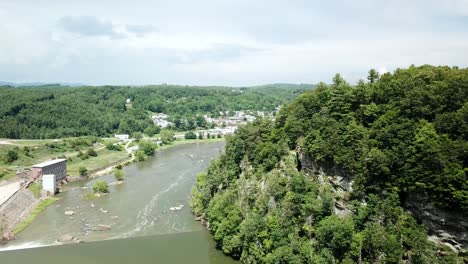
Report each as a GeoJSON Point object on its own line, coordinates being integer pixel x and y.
{"type": "Point", "coordinates": [35, 212]}
{"type": "Point", "coordinates": [105, 170]}
{"type": "Point", "coordinates": [139, 207]}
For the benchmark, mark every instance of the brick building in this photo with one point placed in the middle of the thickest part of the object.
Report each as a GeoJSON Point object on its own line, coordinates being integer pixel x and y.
{"type": "Point", "coordinates": [58, 167]}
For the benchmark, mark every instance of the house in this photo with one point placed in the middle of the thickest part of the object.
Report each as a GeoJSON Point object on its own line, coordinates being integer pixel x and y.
{"type": "Point", "coordinates": [57, 167]}
{"type": "Point", "coordinates": [122, 136]}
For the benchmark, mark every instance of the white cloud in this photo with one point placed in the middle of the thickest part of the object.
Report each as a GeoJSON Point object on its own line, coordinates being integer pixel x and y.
{"type": "Point", "coordinates": [225, 42]}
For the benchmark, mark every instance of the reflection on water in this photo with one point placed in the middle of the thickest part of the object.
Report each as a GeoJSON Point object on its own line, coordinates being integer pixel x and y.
{"type": "Point", "coordinates": [141, 206]}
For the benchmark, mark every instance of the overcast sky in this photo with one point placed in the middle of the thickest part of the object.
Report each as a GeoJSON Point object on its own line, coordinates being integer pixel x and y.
{"type": "Point", "coordinates": [225, 42]}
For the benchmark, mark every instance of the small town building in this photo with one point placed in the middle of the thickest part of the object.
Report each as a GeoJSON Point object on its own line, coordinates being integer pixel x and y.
{"type": "Point", "coordinates": [122, 136]}
{"type": "Point", "coordinates": [58, 167]}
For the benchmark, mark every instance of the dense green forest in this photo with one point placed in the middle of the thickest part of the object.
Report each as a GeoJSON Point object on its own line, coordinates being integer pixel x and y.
{"type": "Point", "coordinates": [56, 111]}
{"type": "Point", "coordinates": [395, 134]}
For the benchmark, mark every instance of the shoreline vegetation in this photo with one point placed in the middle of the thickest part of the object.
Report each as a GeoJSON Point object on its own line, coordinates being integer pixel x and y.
{"type": "Point", "coordinates": [41, 206]}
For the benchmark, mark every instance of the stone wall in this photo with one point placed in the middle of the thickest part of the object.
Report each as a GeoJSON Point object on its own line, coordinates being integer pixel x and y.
{"type": "Point", "coordinates": [17, 207]}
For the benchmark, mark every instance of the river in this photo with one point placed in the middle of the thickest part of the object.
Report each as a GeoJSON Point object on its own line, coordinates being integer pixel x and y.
{"type": "Point", "coordinates": [138, 211]}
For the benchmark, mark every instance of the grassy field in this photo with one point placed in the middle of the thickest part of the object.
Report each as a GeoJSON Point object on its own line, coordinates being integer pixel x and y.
{"type": "Point", "coordinates": [30, 152]}
{"type": "Point", "coordinates": [35, 188]}
{"type": "Point", "coordinates": [104, 158]}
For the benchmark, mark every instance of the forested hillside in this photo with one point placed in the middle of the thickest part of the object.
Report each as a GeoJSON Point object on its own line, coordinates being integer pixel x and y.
{"type": "Point", "coordinates": [56, 111]}
{"type": "Point", "coordinates": [391, 136]}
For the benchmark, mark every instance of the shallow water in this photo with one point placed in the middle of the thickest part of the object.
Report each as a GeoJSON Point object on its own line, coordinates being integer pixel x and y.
{"type": "Point", "coordinates": [141, 206]}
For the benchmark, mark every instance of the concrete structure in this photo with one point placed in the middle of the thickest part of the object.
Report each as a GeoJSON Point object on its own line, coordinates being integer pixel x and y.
{"type": "Point", "coordinates": [49, 183]}
{"type": "Point", "coordinates": [122, 136]}
{"type": "Point", "coordinates": [58, 167]}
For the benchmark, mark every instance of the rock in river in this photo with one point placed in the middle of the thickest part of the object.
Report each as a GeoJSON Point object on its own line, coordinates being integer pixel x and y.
{"type": "Point", "coordinates": [65, 238]}
{"type": "Point", "coordinates": [103, 227]}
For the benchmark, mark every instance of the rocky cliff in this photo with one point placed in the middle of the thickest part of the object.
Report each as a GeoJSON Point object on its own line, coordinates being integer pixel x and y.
{"type": "Point", "coordinates": [444, 226]}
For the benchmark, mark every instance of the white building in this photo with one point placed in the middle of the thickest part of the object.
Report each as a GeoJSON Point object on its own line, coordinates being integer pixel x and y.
{"type": "Point", "coordinates": [160, 120]}
{"type": "Point", "coordinates": [124, 137]}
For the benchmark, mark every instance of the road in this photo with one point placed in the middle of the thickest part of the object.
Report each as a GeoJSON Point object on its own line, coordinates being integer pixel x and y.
{"type": "Point", "coordinates": [7, 190]}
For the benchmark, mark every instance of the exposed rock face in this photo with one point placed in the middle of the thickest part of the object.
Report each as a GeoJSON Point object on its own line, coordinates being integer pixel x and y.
{"type": "Point", "coordinates": [330, 174]}
{"type": "Point", "coordinates": [448, 226]}
{"type": "Point", "coordinates": [325, 172]}
{"type": "Point", "coordinates": [444, 226]}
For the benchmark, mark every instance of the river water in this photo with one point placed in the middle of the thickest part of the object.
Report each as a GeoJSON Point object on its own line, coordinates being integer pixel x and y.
{"type": "Point", "coordinates": [139, 209]}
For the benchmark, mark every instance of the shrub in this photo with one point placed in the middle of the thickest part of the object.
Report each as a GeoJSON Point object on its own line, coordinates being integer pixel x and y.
{"type": "Point", "coordinates": [190, 135]}
{"type": "Point", "coordinates": [11, 156]}
{"type": "Point", "coordinates": [82, 171]}
{"type": "Point", "coordinates": [147, 147]}
{"type": "Point", "coordinates": [119, 174]}
{"type": "Point", "coordinates": [100, 187]}
{"type": "Point", "coordinates": [140, 155]}
{"type": "Point", "coordinates": [113, 147]}
{"type": "Point", "coordinates": [91, 152]}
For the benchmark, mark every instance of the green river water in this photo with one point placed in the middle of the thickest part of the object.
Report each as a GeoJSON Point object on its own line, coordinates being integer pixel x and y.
{"type": "Point", "coordinates": [144, 229]}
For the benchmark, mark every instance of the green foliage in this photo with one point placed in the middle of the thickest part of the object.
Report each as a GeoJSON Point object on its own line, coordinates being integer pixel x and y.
{"type": "Point", "coordinates": [119, 174]}
{"type": "Point", "coordinates": [101, 111]}
{"type": "Point", "coordinates": [335, 234]}
{"type": "Point", "coordinates": [167, 136]}
{"type": "Point", "coordinates": [140, 155]}
{"type": "Point", "coordinates": [147, 147]}
{"type": "Point", "coordinates": [113, 147]}
{"type": "Point", "coordinates": [190, 135]}
{"type": "Point", "coordinates": [82, 171]}
{"type": "Point", "coordinates": [200, 135]}
{"type": "Point", "coordinates": [100, 187]}
{"type": "Point", "coordinates": [35, 188]}
{"type": "Point", "coordinates": [137, 136]}
{"type": "Point", "coordinates": [11, 156]}
{"type": "Point", "coordinates": [398, 134]}
{"type": "Point", "coordinates": [91, 152]}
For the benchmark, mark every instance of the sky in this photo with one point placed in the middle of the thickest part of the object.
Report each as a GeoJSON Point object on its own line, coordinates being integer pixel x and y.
{"type": "Point", "coordinates": [225, 42]}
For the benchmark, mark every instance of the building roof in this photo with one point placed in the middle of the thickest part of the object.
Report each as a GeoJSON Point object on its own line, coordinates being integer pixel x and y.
{"type": "Point", "coordinates": [48, 163]}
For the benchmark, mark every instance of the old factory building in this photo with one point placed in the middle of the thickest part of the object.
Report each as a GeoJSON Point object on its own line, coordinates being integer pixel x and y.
{"type": "Point", "coordinates": [57, 167]}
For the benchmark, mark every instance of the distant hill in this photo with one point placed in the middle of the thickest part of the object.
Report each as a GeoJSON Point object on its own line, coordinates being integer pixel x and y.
{"type": "Point", "coordinates": [29, 84]}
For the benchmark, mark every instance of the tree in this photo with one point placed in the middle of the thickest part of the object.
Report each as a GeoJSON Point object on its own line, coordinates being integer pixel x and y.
{"type": "Point", "coordinates": [200, 122]}
{"type": "Point", "coordinates": [373, 76]}
{"type": "Point", "coordinates": [152, 130]}
{"type": "Point", "coordinates": [147, 147]}
{"type": "Point", "coordinates": [100, 187]}
{"type": "Point", "coordinates": [140, 155]}
{"type": "Point", "coordinates": [137, 136]}
{"type": "Point", "coordinates": [11, 156]}
{"type": "Point", "coordinates": [335, 234]}
{"type": "Point", "coordinates": [167, 136]}
{"type": "Point", "coordinates": [190, 135]}
{"type": "Point", "coordinates": [82, 171]}
{"type": "Point", "coordinates": [200, 135]}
